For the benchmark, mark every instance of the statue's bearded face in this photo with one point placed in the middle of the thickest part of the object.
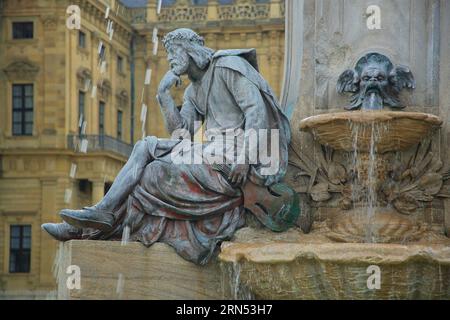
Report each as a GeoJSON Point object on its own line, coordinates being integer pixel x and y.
{"type": "Point", "coordinates": [373, 80]}
{"type": "Point", "coordinates": [178, 59]}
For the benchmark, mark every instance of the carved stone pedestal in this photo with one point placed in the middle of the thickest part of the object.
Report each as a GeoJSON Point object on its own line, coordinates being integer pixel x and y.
{"type": "Point", "coordinates": [293, 265]}
{"type": "Point", "coordinates": [109, 270]}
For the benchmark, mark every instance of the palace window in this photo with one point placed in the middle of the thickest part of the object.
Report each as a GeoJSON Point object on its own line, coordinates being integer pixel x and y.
{"type": "Point", "coordinates": [20, 248]}
{"type": "Point", "coordinates": [119, 124]}
{"type": "Point", "coordinates": [120, 64]}
{"type": "Point", "coordinates": [81, 39]}
{"type": "Point", "coordinates": [22, 109]}
{"type": "Point", "coordinates": [81, 117]}
{"type": "Point", "coordinates": [101, 118]}
{"type": "Point", "coordinates": [22, 30]}
{"type": "Point", "coordinates": [102, 52]}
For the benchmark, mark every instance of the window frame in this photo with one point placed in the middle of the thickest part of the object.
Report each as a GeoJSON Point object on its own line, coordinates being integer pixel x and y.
{"type": "Point", "coordinates": [23, 109]}
{"type": "Point", "coordinates": [81, 110]}
{"type": "Point", "coordinates": [120, 64]}
{"type": "Point", "coordinates": [82, 35]}
{"type": "Point", "coordinates": [101, 118]}
{"type": "Point", "coordinates": [102, 54]}
{"type": "Point", "coordinates": [16, 23]}
{"type": "Point", "coordinates": [21, 250]}
{"type": "Point", "coordinates": [120, 124]}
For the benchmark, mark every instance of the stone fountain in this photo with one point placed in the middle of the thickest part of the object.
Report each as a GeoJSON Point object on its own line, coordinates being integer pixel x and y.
{"type": "Point", "coordinates": [380, 194]}
{"type": "Point", "coordinates": [372, 182]}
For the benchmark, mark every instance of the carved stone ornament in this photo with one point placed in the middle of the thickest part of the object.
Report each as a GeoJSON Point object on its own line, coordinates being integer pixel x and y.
{"type": "Point", "coordinates": [84, 78]}
{"type": "Point", "coordinates": [375, 82]}
{"type": "Point", "coordinates": [21, 70]}
{"type": "Point", "coordinates": [50, 22]}
{"type": "Point", "coordinates": [183, 11]}
{"type": "Point", "coordinates": [244, 9]}
{"type": "Point", "coordinates": [104, 87]}
{"type": "Point", "coordinates": [122, 97]}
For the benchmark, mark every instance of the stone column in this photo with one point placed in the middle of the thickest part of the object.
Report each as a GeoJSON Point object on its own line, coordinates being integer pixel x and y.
{"type": "Point", "coordinates": [151, 11]}
{"type": "Point", "coordinates": [213, 9]}
{"type": "Point", "coordinates": [211, 40]}
{"type": "Point", "coordinates": [275, 61]}
{"type": "Point", "coordinates": [293, 54]}
{"type": "Point", "coordinates": [139, 76]}
{"type": "Point", "coordinates": [275, 10]}
{"type": "Point", "coordinates": [98, 190]}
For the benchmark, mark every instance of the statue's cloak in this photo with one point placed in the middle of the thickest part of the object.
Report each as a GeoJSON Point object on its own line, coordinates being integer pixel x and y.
{"type": "Point", "coordinates": [191, 206]}
{"type": "Point", "coordinates": [276, 118]}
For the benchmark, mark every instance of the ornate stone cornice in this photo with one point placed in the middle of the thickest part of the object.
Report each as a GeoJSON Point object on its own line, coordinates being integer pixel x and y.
{"type": "Point", "coordinates": [95, 13]}
{"type": "Point", "coordinates": [21, 70]}
{"type": "Point", "coordinates": [184, 11]}
{"type": "Point", "coordinates": [244, 9]}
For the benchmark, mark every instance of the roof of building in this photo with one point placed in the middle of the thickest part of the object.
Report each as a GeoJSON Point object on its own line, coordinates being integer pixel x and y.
{"type": "Point", "coordinates": [143, 3]}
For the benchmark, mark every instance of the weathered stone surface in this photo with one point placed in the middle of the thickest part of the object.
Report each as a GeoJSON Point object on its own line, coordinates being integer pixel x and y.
{"type": "Point", "coordinates": [326, 37]}
{"type": "Point", "coordinates": [112, 271]}
{"type": "Point", "coordinates": [323, 38]}
{"type": "Point", "coordinates": [296, 266]}
{"type": "Point", "coordinates": [385, 226]}
{"type": "Point", "coordinates": [397, 130]}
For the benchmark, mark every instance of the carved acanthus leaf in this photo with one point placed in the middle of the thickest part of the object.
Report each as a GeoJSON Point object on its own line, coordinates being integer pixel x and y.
{"type": "Point", "coordinates": [419, 182]}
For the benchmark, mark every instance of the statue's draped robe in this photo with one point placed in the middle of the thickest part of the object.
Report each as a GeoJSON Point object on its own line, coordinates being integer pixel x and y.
{"type": "Point", "coordinates": [191, 206]}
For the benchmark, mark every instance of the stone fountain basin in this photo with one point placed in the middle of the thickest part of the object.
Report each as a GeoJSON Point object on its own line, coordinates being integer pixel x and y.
{"type": "Point", "coordinates": [309, 267]}
{"type": "Point", "coordinates": [395, 130]}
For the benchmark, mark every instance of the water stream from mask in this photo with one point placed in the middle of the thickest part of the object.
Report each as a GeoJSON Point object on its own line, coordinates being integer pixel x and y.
{"type": "Point", "coordinates": [365, 168]}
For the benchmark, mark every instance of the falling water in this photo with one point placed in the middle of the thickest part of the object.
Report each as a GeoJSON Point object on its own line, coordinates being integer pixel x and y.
{"type": "Point", "coordinates": [372, 178]}
{"type": "Point", "coordinates": [58, 262]}
{"type": "Point", "coordinates": [366, 183]}
{"type": "Point", "coordinates": [354, 161]}
{"type": "Point", "coordinates": [236, 280]}
{"type": "Point", "coordinates": [120, 285]}
{"type": "Point", "coordinates": [125, 235]}
{"type": "Point", "coordinates": [238, 291]}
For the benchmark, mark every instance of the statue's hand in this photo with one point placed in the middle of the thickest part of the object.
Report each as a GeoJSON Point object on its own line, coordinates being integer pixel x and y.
{"type": "Point", "coordinates": [238, 174]}
{"type": "Point", "coordinates": [168, 81]}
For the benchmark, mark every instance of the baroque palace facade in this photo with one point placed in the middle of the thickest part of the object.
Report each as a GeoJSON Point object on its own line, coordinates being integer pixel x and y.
{"type": "Point", "coordinates": [49, 107]}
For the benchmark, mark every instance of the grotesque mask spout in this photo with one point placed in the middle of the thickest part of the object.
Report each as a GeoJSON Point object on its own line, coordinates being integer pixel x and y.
{"type": "Point", "coordinates": [375, 82]}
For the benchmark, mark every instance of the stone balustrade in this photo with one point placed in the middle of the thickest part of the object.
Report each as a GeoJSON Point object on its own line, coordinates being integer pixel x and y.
{"type": "Point", "coordinates": [184, 11]}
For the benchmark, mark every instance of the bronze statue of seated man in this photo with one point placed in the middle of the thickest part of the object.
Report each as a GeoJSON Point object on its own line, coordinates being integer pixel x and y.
{"type": "Point", "coordinates": [192, 207]}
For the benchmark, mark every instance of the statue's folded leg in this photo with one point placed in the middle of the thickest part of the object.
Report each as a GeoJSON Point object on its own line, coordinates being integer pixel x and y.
{"type": "Point", "coordinates": [100, 215]}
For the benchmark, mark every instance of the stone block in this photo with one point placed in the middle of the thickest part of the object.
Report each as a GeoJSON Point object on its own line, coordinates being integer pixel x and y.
{"type": "Point", "coordinates": [109, 270]}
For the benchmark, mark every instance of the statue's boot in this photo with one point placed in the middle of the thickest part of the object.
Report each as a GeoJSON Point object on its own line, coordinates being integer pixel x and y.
{"type": "Point", "coordinates": [88, 217]}
{"type": "Point", "coordinates": [62, 231]}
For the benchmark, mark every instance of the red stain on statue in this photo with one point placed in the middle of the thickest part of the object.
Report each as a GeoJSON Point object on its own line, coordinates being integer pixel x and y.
{"type": "Point", "coordinates": [192, 186]}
